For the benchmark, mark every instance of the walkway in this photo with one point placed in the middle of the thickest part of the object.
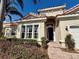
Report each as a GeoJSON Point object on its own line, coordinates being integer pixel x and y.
{"type": "Point", "coordinates": [55, 52]}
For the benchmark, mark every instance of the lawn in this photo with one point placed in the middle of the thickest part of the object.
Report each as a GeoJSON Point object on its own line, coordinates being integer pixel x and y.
{"type": "Point", "coordinates": [18, 49]}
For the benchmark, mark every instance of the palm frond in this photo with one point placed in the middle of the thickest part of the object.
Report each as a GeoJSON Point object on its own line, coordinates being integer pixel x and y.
{"type": "Point", "coordinates": [13, 10]}
{"type": "Point", "coordinates": [16, 13]}
{"type": "Point", "coordinates": [35, 1]}
{"type": "Point", "coordinates": [21, 3]}
{"type": "Point", "coordinates": [10, 18]}
{"type": "Point", "coordinates": [10, 3]}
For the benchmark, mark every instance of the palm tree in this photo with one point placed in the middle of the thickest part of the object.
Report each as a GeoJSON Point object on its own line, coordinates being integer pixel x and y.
{"type": "Point", "coordinates": [2, 8]}
{"type": "Point", "coordinates": [7, 9]}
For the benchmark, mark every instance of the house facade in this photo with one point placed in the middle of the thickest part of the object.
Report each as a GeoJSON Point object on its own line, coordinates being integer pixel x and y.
{"type": "Point", "coordinates": [53, 23]}
{"type": "Point", "coordinates": [36, 26]}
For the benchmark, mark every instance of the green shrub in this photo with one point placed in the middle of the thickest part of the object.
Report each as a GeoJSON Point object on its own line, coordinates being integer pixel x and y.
{"type": "Point", "coordinates": [69, 42]}
{"type": "Point", "coordinates": [24, 41]}
{"type": "Point", "coordinates": [32, 42]}
{"type": "Point", "coordinates": [2, 37]}
{"type": "Point", "coordinates": [44, 43]}
{"type": "Point", "coordinates": [15, 40]}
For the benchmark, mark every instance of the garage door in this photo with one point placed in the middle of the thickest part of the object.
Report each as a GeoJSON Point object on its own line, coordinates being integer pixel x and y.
{"type": "Point", "coordinates": [74, 30]}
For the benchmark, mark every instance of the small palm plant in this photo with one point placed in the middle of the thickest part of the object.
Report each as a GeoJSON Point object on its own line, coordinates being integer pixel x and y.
{"type": "Point", "coordinates": [69, 42]}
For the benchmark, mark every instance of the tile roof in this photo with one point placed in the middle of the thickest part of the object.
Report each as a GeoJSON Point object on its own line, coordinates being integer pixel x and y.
{"type": "Point", "coordinates": [33, 15]}
{"type": "Point", "coordinates": [72, 10]}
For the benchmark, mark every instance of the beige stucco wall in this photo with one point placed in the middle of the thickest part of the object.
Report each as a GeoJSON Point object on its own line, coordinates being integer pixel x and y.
{"type": "Point", "coordinates": [18, 31]}
{"type": "Point", "coordinates": [57, 33]}
{"type": "Point", "coordinates": [61, 29]}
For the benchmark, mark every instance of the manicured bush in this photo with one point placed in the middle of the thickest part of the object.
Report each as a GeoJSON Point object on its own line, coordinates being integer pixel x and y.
{"type": "Point", "coordinates": [69, 42]}
{"type": "Point", "coordinates": [24, 41]}
{"type": "Point", "coordinates": [44, 43]}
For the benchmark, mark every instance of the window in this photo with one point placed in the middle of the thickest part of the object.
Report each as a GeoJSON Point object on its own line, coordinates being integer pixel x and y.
{"type": "Point", "coordinates": [12, 31]}
{"type": "Point", "coordinates": [29, 31]}
{"type": "Point", "coordinates": [7, 32]}
{"type": "Point", "coordinates": [35, 31]}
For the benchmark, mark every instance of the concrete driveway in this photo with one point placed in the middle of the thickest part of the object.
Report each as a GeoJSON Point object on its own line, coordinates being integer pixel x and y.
{"type": "Point", "coordinates": [55, 52]}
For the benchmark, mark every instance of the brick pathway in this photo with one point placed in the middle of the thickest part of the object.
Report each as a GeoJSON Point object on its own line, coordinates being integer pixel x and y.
{"type": "Point", "coordinates": [55, 52]}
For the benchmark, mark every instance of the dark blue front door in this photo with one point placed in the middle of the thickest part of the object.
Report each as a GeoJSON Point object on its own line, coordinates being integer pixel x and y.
{"type": "Point", "coordinates": [50, 33]}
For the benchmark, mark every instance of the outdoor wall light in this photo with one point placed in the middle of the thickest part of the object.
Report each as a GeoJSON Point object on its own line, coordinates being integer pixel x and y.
{"type": "Point", "coordinates": [66, 28]}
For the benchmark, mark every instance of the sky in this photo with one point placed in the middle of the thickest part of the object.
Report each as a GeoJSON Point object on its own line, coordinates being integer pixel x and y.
{"type": "Point", "coordinates": [29, 6]}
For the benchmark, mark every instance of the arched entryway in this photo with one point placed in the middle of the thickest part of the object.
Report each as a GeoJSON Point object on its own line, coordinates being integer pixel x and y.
{"type": "Point", "coordinates": [50, 28]}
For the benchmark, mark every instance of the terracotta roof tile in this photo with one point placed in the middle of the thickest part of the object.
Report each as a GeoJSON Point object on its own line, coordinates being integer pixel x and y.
{"type": "Point", "coordinates": [72, 10]}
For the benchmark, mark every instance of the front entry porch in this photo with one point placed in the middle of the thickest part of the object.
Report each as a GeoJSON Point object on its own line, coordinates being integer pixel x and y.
{"type": "Point", "coordinates": [50, 29]}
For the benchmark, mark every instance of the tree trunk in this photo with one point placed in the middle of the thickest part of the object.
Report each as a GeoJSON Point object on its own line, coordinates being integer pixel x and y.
{"type": "Point", "coordinates": [2, 11]}
{"type": "Point", "coordinates": [1, 27]}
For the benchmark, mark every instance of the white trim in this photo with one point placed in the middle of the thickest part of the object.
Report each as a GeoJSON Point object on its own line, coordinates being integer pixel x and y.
{"type": "Point", "coordinates": [70, 15]}
{"type": "Point", "coordinates": [33, 31]}
{"type": "Point", "coordinates": [54, 36]}
{"type": "Point", "coordinates": [36, 19]}
{"type": "Point", "coordinates": [52, 8]}
{"type": "Point", "coordinates": [25, 31]}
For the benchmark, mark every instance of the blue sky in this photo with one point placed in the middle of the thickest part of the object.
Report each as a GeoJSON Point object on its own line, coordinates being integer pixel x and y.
{"type": "Point", "coordinates": [30, 7]}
